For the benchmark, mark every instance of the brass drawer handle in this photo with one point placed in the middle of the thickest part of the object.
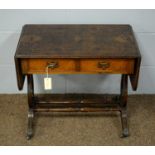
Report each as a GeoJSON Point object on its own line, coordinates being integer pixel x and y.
{"type": "Point", "coordinates": [103, 65]}
{"type": "Point", "coordinates": [52, 65]}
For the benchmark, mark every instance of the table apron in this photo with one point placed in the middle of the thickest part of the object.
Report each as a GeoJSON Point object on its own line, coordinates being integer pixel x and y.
{"type": "Point", "coordinates": [77, 66]}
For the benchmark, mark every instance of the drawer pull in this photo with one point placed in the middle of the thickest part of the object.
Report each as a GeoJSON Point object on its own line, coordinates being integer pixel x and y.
{"type": "Point", "coordinates": [52, 65]}
{"type": "Point", "coordinates": [103, 65]}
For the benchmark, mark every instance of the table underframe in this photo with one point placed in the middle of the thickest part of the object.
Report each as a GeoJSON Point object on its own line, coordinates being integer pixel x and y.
{"type": "Point", "coordinates": [116, 103]}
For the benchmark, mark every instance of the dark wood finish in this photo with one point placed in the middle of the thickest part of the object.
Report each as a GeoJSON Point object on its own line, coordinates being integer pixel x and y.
{"type": "Point", "coordinates": [19, 74]}
{"type": "Point", "coordinates": [76, 101]}
{"type": "Point", "coordinates": [31, 104]}
{"type": "Point", "coordinates": [30, 123]}
{"type": "Point", "coordinates": [77, 41]}
{"type": "Point", "coordinates": [134, 77]}
{"type": "Point", "coordinates": [123, 105]}
{"type": "Point", "coordinates": [78, 49]}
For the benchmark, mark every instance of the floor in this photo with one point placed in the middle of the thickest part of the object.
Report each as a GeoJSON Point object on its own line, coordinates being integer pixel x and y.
{"type": "Point", "coordinates": [77, 129]}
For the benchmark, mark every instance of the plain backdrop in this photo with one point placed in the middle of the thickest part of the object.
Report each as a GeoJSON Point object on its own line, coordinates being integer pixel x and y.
{"type": "Point", "coordinates": [142, 21]}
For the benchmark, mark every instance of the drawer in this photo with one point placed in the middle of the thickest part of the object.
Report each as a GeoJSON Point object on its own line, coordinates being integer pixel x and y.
{"type": "Point", "coordinates": [38, 66]}
{"type": "Point", "coordinates": [124, 66]}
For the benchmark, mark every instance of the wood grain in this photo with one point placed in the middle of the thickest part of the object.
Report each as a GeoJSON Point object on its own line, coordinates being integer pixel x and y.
{"type": "Point", "coordinates": [77, 41]}
{"type": "Point", "coordinates": [116, 66]}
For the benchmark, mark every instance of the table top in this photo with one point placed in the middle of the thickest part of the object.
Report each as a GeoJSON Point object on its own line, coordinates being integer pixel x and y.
{"type": "Point", "coordinates": [77, 41]}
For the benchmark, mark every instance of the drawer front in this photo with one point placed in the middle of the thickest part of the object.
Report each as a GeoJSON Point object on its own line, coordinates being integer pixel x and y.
{"type": "Point", "coordinates": [124, 66]}
{"type": "Point", "coordinates": [38, 66]}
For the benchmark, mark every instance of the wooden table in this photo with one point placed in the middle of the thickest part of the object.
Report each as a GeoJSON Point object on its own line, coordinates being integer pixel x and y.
{"type": "Point", "coordinates": [77, 49]}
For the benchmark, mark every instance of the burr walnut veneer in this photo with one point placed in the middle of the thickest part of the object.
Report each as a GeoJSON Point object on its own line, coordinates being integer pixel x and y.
{"type": "Point", "coordinates": [77, 49]}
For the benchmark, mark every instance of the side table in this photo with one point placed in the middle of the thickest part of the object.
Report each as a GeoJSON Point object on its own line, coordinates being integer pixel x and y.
{"type": "Point", "coordinates": [77, 49]}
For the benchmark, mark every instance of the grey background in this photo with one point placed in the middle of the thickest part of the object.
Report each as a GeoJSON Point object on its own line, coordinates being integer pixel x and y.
{"type": "Point", "coordinates": [143, 22]}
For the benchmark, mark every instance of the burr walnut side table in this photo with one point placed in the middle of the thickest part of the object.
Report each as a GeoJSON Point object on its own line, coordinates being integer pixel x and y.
{"type": "Point", "coordinates": [77, 49]}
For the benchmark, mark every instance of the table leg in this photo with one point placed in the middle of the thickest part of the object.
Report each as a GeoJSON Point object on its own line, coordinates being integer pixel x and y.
{"type": "Point", "coordinates": [31, 105]}
{"type": "Point", "coordinates": [30, 124]}
{"type": "Point", "coordinates": [123, 105]}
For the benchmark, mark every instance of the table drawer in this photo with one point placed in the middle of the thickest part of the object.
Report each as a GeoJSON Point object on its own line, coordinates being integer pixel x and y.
{"type": "Point", "coordinates": [124, 66]}
{"type": "Point", "coordinates": [38, 66]}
